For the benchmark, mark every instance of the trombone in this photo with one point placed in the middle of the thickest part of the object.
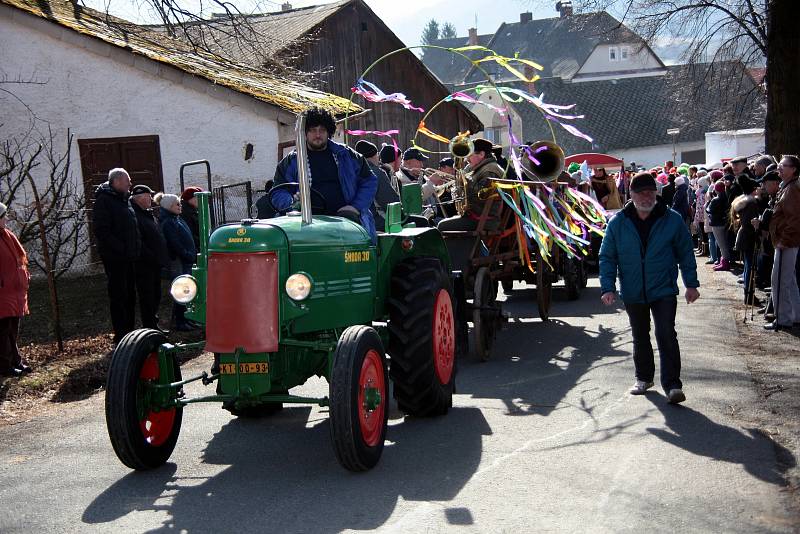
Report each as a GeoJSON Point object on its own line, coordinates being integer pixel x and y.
{"type": "Point", "coordinates": [461, 147]}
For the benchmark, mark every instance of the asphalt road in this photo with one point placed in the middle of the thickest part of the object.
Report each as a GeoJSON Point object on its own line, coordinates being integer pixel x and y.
{"type": "Point", "coordinates": [543, 438]}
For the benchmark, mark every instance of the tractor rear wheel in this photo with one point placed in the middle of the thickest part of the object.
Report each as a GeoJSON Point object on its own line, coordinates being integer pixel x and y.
{"type": "Point", "coordinates": [142, 435]}
{"type": "Point", "coordinates": [422, 337]}
{"type": "Point", "coordinates": [359, 393]}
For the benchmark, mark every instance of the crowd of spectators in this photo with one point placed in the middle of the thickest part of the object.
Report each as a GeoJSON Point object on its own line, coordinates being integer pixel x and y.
{"type": "Point", "coordinates": [745, 218]}
{"type": "Point", "coordinates": [143, 238]}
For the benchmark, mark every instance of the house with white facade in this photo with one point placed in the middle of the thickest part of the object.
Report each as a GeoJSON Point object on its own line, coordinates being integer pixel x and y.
{"type": "Point", "coordinates": [138, 99]}
{"type": "Point", "coordinates": [629, 97]}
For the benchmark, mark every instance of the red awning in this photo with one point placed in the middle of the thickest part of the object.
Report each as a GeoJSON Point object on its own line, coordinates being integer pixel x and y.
{"type": "Point", "coordinates": [594, 160]}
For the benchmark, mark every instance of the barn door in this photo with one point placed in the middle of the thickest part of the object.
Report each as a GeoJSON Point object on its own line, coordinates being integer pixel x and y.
{"type": "Point", "coordinates": [140, 156]}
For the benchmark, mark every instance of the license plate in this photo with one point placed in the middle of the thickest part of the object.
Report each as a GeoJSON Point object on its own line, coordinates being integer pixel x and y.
{"type": "Point", "coordinates": [244, 368]}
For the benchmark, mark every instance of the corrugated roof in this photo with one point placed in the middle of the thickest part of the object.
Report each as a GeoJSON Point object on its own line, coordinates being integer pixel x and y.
{"type": "Point", "coordinates": [636, 112]}
{"type": "Point", "coordinates": [288, 95]}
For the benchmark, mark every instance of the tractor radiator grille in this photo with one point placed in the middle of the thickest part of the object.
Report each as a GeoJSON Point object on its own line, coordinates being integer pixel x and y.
{"type": "Point", "coordinates": [242, 302]}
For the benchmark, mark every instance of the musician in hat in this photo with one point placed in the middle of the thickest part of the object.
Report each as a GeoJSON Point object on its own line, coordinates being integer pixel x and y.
{"type": "Point", "coordinates": [480, 171]}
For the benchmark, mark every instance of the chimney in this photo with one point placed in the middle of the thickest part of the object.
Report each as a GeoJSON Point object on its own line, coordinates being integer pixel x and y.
{"type": "Point", "coordinates": [286, 6]}
{"type": "Point", "coordinates": [564, 7]}
{"type": "Point", "coordinates": [473, 36]}
{"type": "Point", "coordinates": [529, 73]}
{"type": "Point", "coordinates": [525, 17]}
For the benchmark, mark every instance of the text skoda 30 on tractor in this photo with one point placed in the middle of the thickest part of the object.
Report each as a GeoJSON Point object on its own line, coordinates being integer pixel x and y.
{"type": "Point", "coordinates": [289, 298]}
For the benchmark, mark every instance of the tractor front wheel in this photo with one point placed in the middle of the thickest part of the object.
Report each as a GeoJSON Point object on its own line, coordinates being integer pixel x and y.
{"type": "Point", "coordinates": [359, 393]}
{"type": "Point", "coordinates": [422, 337]}
{"type": "Point", "coordinates": [142, 433]}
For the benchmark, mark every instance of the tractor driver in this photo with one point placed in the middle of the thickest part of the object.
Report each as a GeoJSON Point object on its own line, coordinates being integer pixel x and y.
{"type": "Point", "coordinates": [340, 174]}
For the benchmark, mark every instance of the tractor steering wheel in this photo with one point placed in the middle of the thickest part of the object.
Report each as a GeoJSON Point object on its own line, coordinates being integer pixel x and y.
{"type": "Point", "coordinates": [315, 208]}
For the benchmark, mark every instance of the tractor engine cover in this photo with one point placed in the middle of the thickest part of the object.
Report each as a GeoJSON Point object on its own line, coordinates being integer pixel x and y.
{"type": "Point", "coordinates": [242, 302]}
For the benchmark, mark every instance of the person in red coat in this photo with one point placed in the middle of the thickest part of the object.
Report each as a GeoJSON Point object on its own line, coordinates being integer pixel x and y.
{"type": "Point", "coordinates": [14, 279]}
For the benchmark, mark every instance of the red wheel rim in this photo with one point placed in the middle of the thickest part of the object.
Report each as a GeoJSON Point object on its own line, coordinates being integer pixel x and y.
{"type": "Point", "coordinates": [156, 426]}
{"type": "Point", "coordinates": [444, 344]}
{"type": "Point", "coordinates": [371, 377]}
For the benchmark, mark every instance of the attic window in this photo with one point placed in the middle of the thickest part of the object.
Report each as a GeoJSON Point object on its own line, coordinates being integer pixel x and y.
{"type": "Point", "coordinates": [613, 54]}
{"type": "Point", "coordinates": [624, 52]}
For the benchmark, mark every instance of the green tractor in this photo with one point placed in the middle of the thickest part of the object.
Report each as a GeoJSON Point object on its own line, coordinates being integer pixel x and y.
{"type": "Point", "coordinates": [289, 298]}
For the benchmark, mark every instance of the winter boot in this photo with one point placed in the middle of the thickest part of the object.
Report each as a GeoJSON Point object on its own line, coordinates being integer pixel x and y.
{"type": "Point", "coordinates": [724, 265]}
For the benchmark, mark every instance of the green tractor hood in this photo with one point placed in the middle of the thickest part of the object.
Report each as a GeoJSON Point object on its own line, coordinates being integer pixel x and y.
{"type": "Point", "coordinates": [325, 233]}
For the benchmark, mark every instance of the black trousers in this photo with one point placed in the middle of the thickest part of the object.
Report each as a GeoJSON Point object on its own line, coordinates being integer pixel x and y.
{"type": "Point", "coordinates": [9, 352]}
{"type": "Point", "coordinates": [121, 277]}
{"type": "Point", "coordinates": [148, 287]}
{"type": "Point", "coordinates": [669, 352]}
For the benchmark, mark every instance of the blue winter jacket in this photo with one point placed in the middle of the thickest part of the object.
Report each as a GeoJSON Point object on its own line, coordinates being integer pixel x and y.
{"type": "Point", "coordinates": [178, 236]}
{"type": "Point", "coordinates": [358, 186]}
{"type": "Point", "coordinates": [647, 274]}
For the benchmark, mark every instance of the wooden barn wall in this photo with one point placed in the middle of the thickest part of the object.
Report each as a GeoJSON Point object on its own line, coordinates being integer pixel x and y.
{"type": "Point", "coordinates": [347, 44]}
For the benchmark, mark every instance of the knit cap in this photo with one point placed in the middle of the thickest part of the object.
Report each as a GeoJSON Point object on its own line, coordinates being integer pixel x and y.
{"type": "Point", "coordinates": [167, 201]}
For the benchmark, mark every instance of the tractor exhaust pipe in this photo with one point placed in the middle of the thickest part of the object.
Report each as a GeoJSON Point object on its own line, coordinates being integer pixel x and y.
{"type": "Point", "coordinates": [302, 168]}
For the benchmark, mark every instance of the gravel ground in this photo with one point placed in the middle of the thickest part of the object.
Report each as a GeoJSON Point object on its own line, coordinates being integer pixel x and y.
{"type": "Point", "coordinates": [773, 360]}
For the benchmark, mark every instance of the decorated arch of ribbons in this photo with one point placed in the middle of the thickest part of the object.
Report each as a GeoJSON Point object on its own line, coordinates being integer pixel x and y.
{"type": "Point", "coordinates": [547, 215]}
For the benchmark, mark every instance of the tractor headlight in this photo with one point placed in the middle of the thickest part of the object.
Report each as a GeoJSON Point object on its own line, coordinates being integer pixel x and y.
{"type": "Point", "coordinates": [298, 286]}
{"type": "Point", "coordinates": [183, 289]}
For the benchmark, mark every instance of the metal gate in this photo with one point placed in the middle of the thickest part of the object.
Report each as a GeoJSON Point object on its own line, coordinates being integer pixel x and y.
{"type": "Point", "coordinates": [231, 203]}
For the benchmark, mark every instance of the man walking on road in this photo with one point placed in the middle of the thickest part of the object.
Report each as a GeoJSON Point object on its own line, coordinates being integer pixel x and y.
{"type": "Point", "coordinates": [646, 243]}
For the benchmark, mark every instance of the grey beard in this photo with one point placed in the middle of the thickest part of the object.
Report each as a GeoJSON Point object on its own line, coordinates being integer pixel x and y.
{"type": "Point", "coordinates": [646, 209]}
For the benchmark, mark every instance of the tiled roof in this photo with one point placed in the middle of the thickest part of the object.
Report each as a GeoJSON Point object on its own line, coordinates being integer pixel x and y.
{"type": "Point", "coordinates": [288, 95]}
{"type": "Point", "coordinates": [561, 45]}
{"type": "Point", "coordinates": [636, 112]}
{"type": "Point", "coordinates": [450, 68]}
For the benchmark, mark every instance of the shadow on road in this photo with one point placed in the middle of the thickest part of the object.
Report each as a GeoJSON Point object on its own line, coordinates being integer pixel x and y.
{"type": "Point", "coordinates": [536, 364]}
{"type": "Point", "coordinates": [283, 477]}
{"type": "Point", "coordinates": [697, 434]}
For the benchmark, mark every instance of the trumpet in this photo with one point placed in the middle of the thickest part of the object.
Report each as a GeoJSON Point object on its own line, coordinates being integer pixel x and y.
{"type": "Point", "coordinates": [429, 173]}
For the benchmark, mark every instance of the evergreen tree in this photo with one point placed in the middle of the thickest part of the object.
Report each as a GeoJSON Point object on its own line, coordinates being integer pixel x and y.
{"type": "Point", "coordinates": [430, 33]}
{"type": "Point", "coordinates": [448, 31]}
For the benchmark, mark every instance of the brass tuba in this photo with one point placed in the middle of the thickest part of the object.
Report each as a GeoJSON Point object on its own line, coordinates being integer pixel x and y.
{"type": "Point", "coordinates": [461, 147]}
{"type": "Point", "coordinates": [549, 160]}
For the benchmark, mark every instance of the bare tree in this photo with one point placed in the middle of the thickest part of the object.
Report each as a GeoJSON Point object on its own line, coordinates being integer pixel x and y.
{"type": "Point", "coordinates": [721, 32]}
{"type": "Point", "coordinates": [49, 212]}
{"type": "Point", "coordinates": [216, 27]}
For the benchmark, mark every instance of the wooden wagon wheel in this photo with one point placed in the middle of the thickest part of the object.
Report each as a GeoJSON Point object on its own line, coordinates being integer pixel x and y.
{"type": "Point", "coordinates": [544, 286]}
{"type": "Point", "coordinates": [484, 314]}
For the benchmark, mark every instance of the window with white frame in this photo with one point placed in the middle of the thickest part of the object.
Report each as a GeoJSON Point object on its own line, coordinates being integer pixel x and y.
{"type": "Point", "coordinates": [613, 53]}
{"type": "Point", "coordinates": [494, 134]}
{"type": "Point", "coordinates": [624, 53]}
